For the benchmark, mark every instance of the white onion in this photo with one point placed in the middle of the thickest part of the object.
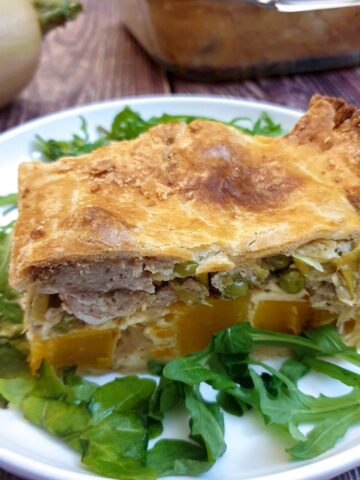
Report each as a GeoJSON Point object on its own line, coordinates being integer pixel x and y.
{"type": "Point", "coordinates": [22, 24]}
{"type": "Point", "coordinates": [20, 45]}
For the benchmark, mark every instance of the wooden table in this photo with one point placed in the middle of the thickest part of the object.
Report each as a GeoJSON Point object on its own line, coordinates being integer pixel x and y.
{"type": "Point", "coordinates": [94, 58]}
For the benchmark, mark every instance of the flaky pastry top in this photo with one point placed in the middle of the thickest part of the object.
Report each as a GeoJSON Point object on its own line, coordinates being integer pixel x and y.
{"type": "Point", "coordinates": [203, 192]}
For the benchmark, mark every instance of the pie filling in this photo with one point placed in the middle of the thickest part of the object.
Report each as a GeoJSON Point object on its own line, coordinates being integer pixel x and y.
{"type": "Point", "coordinates": [110, 315]}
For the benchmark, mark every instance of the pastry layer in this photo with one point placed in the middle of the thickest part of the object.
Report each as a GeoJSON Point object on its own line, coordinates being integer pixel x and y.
{"type": "Point", "coordinates": [202, 192]}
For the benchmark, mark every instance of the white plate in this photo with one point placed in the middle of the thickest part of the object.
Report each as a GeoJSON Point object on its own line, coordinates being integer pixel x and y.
{"type": "Point", "coordinates": [253, 452]}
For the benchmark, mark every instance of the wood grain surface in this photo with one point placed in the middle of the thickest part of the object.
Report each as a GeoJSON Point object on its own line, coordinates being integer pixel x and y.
{"type": "Point", "coordinates": [293, 91]}
{"type": "Point", "coordinates": [94, 58]}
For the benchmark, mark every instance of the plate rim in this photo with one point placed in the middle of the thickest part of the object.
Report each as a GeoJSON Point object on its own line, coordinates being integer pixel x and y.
{"type": "Point", "coordinates": [21, 464]}
{"type": "Point", "coordinates": [36, 470]}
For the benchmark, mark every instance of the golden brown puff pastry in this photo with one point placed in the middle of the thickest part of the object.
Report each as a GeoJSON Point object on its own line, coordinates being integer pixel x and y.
{"type": "Point", "coordinates": [194, 192]}
{"type": "Point", "coordinates": [117, 237]}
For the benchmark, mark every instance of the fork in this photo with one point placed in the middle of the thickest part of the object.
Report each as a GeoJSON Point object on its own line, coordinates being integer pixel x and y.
{"type": "Point", "coordinates": [304, 5]}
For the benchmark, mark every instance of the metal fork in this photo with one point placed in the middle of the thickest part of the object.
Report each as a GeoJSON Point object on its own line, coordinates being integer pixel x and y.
{"type": "Point", "coordinates": [304, 5]}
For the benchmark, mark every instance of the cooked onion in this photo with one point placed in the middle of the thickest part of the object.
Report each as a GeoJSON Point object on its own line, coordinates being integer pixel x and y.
{"type": "Point", "coordinates": [20, 43]}
{"type": "Point", "coordinates": [22, 23]}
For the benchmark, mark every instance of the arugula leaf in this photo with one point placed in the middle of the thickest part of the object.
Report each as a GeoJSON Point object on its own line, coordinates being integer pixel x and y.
{"type": "Point", "coordinates": [52, 150]}
{"type": "Point", "coordinates": [14, 390]}
{"type": "Point", "coordinates": [230, 404]}
{"type": "Point", "coordinates": [334, 371]}
{"type": "Point", "coordinates": [277, 409]}
{"type": "Point", "coordinates": [178, 457]}
{"type": "Point", "coordinates": [234, 340]}
{"type": "Point", "coordinates": [128, 394]}
{"type": "Point", "coordinates": [5, 245]}
{"type": "Point", "coordinates": [10, 310]}
{"type": "Point", "coordinates": [289, 407]}
{"type": "Point", "coordinates": [233, 366]}
{"type": "Point", "coordinates": [125, 437]}
{"type": "Point", "coordinates": [12, 360]}
{"type": "Point", "coordinates": [127, 125]}
{"type": "Point", "coordinates": [294, 369]}
{"type": "Point", "coordinates": [56, 416]}
{"type": "Point", "coordinates": [48, 385]}
{"type": "Point", "coordinates": [9, 201]}
{"type": "Point", "coordinates": [207, 424]}
{"type": "Point", "coordinates": [266, 126]}
{"type": "Point", "coordinates": [331, 418]}
{"type": "Point", "coordinates": [11, 315]}
{"type": "Point", "coordinates": [126, 434]}
{"type": "Point", "coordinates": [171, 394]}
{"type": "Point", "coordinates": [323, 340]}
{"type": "Point", "coordinates": [116, 446]}
{"type": "Point", "coordinates": [3, 402]}
{"type": "Point", "coordinates": [298, 344]}
{"type": "Point", "coordinates": [190, 372]}
{"type": "Point", "coordinates": [12, 344]}
{"type": "Point", "coordinates": [324, 435]}
{"type": "Point", "coordinates": [66, 410]}
{"type": "Point", "coordinates": [154, 426]}
{"type": "Point", "coordinates": [156, 367]}
{"type": "Point", "coordinates": [166, 397]}
{"type": "Point", "coordinates": [101, 459]}
{"type": "Point", "coordinates": [11, 319]}
{"type": "Point", "coordinates": [328, 340]}
{"type": "Point", "coordinates": [83, 389]}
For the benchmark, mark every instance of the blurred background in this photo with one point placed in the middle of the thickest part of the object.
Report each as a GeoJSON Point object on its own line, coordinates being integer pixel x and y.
{"type": "Point", "coordinates": [222, 47]}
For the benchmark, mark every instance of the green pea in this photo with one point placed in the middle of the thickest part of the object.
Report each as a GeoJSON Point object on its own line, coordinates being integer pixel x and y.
{"type": "Point", "coordinates": [186, 269]}
{"type": "Point", "coordinates": [238, 288]}
{"type": "Point", "coordinates": [279, 262]}
{"type": "Point", "coordinates": [291, 281]}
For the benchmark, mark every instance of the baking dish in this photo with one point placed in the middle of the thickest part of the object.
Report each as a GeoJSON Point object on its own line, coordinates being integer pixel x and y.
{"type": "Point", "coordinates": [229, 39]}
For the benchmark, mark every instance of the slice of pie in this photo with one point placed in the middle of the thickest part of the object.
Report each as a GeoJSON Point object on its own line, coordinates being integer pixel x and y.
{"type": "Point", "coordinates": [144, 248]}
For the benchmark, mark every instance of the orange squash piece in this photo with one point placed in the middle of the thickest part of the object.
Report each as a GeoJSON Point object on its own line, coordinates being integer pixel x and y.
{"type": "Point", "coordinates": [88, 348]}
{"type": "Point", "coordinates": [288, 317]}
{"type": "Point", "coordinates": [197, 323]}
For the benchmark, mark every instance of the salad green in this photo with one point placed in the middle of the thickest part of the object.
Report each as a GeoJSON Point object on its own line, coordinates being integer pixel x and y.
{"type": "Point", "coordinates": [111, 425]}
{"type": "Point", "coordinates": [9, 201]}
{"type": "Point", "coordinates": [13, 346]}
{"type": "Point", "coordinates": [128, 125]}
